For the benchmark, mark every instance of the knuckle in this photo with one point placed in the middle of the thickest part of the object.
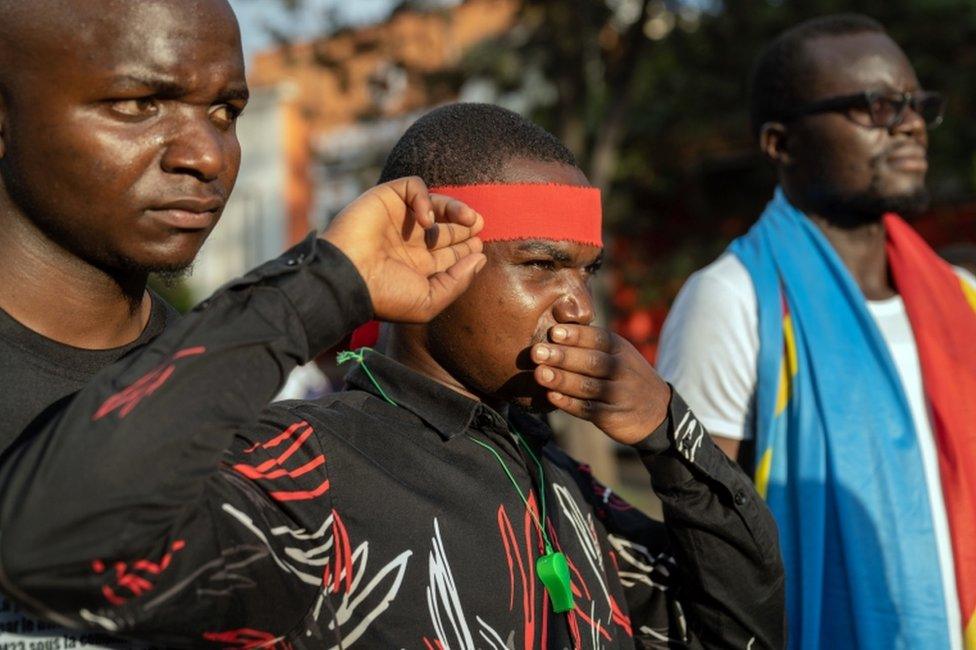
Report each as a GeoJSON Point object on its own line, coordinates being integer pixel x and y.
{"type": "Point", "coordinates": [590, 386]}
{"type": "Point", "coordinates": [594, 362]}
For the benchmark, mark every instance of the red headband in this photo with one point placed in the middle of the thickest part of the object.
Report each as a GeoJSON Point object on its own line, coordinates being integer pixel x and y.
{"type": "Point", "coordinates": [534, 211]}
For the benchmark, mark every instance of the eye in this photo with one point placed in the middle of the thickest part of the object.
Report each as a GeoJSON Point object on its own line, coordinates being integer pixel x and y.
{"type": "Point", "coordinates": [225, 115]}
{"type": "Point", "coordinates": [595, 267]}
{"type": "Point", "coordinates": [541, 264]}
{"type": "Point", "coordinates": [138, 108]}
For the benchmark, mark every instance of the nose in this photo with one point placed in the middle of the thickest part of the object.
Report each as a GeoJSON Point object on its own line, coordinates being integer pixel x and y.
{"type": "Point", "coordinates": [575, 306]}
{"type": "Point", "coordinates": [912, 123]}
{"type": "Point", "coordinates": [197, 148]}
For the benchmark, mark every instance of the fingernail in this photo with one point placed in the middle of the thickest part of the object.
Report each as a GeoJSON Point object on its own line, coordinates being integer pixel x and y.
{"type": "Point", "coordinates": [559, 333]}
{"type": "Point", "coordinates": [430, 215]}
{"type": "Point", "coordinates": [481, 264]}
{"type": "Point", "coordinates": [548, 375]}
{"type": "Point", "coordinates": [542, 352]}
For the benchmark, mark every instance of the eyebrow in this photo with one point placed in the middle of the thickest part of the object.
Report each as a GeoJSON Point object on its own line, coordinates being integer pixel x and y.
{"type": "Point", "coordinates": [555, 252]}
{"type": "Point", "coordinates": [170, 88]}
{"type": "Point", "coordinates": [543, 248]}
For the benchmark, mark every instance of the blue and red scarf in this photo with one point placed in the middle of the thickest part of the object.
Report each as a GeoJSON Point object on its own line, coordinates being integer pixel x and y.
{"type": "Point", "coordinates": [837, 453]}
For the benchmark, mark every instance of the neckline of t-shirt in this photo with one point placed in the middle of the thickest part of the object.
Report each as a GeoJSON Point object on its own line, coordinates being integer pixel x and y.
{"type": "Point", "coordinates": [80, 359]}
{"type": "Point", "coordinates": [887, 306]}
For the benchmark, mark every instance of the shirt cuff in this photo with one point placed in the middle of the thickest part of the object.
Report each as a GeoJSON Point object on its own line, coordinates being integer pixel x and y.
{"type": "Point", "coordinates": [675, 445]}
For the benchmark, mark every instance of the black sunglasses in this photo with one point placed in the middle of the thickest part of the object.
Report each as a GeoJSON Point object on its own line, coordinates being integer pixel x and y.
{"type": "Point", "coordinates": [886, 110]}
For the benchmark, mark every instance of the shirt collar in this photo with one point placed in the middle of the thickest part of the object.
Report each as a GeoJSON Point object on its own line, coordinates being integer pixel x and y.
{"type": "Point", "coordinates": [448, 412]}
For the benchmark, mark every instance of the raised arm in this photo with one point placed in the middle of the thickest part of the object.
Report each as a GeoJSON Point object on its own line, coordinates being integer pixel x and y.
{"type": "Point", "coordinates": [112, 506]}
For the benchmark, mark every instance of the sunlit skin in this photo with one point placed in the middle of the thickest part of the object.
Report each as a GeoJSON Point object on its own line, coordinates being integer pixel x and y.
{"type": "Point", "coordinates": [118, 152]}
{"type": "Point", "coordinates": [521, 333]}
{"type": "Point", "coordinates": [823, 159]}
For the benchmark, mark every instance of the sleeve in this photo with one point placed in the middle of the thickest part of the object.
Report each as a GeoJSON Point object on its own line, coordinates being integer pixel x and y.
{"type": "Point", "coordinates": [125, 512]}
{"type": "Point", "coordinates": [709, 346]}
{"type": "Point", "coordinates": [712, 574]}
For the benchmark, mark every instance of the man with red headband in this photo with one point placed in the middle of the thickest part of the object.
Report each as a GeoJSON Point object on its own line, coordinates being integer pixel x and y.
{"type": "Point", "coordinates": [423, 507]}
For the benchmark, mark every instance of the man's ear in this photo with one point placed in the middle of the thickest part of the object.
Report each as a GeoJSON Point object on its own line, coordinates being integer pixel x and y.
{"type": "Point", "coordinates": [773, 143]}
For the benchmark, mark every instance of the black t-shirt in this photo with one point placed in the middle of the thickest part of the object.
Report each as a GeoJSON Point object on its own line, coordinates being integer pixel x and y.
{"type": "Point", "coordinates": [36, 372]}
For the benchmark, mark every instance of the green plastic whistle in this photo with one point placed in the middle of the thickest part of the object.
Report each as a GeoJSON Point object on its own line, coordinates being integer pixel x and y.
{"type": "Point", "coordinates": [553, 571]}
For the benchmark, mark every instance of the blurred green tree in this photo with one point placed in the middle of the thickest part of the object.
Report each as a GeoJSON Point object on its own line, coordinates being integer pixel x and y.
{"type": "Point", "coordinates": [651, 95]}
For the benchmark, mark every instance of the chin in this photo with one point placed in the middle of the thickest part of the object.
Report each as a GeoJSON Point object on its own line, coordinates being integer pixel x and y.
{"type": "Point", "coordinates": [173, 256]}
{"type": "Point", "coordinates": [907, 204]}
{"type": "Point", "coordinates": [171, 265]}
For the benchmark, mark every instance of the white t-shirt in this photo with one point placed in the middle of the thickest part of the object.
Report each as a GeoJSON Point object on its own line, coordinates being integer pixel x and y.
{"type": "Point", "coordinates": [709, 348]}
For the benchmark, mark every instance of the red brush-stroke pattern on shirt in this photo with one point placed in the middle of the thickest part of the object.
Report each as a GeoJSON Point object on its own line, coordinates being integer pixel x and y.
{"type": "Point", "coordinates": [338, 573]}
{"type": "Point", "coordinates": [128, 398]}
{"type": "Point", "coordinates": [247, 639]}
{"type": "Point", "coordinates": [137, 578]}
{"type": "Point", "coordinates": [523, 558]}
{"type": "Point", "coordinates": [273, 469]}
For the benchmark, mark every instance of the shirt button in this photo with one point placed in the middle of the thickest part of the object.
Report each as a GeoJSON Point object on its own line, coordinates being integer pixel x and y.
{"type": "Point", "coordinates": [740, 498]}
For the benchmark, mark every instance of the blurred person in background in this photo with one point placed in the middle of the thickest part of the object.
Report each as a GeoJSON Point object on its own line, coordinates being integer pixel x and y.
{"type": "Point", "coordinates": [836, 343]}
{"type": "Point", "coordinates": [424, 505]}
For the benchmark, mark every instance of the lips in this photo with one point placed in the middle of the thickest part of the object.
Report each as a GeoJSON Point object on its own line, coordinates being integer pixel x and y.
{"type": "Point", "coordinates": [188, 213]}
{"type": "Point", "coordinates": [912, 159]}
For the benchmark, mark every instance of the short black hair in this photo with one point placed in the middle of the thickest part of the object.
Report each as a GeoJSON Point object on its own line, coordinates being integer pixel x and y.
{"type": "Point", "coordinates": [466, 143]}
{"type": "Point", "coordinates": [783, 68]}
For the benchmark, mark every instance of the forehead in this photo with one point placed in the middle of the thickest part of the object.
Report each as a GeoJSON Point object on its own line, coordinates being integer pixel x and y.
{"type": "Point", "coordinates": [854, 63]}
{"type": "Point", "coordinates": [183, 39]}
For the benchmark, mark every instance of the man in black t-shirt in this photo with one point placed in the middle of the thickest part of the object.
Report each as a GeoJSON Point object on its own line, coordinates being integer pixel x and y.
{"type": "Point", "coordinates": [117, 154]}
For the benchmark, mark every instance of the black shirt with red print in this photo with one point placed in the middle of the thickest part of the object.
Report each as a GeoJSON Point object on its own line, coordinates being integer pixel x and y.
{"type": "Point", "coordinates": [169, 502]}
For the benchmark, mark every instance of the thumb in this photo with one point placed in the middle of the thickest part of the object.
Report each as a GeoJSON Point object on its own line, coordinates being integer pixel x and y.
{"type": "Point", "coordinates": [446, 286]}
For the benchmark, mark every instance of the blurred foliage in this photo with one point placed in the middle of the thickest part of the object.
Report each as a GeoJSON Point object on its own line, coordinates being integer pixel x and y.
{"type": "Point", "coordinates": [651, 95]}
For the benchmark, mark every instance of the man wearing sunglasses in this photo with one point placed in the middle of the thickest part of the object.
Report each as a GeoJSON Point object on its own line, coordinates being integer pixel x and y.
{"type": "Point", "coordinates": [831, 350]}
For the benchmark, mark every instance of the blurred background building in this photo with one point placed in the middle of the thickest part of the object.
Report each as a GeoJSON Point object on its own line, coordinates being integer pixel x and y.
{"type": "Point", "coordinates": [651, 95]}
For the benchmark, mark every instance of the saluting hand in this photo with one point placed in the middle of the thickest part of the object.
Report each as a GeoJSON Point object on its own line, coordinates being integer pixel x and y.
{"type": "Point", "coordinates": [416, 251]}
{"type": "Point", "coordinates": [599, 376]}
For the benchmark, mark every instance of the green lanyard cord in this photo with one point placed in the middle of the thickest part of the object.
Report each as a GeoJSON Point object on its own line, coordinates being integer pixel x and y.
{"type": "Point", "coordinates": [542, 486]}
{"type": "Point", "coordinates": [359, 357]}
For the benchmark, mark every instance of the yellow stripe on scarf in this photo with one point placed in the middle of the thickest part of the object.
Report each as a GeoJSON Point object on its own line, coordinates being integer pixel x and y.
{"type": "Point", "coordinates": [970, 294]}
{"type": "Point", "coordinates": [762, 473]}
{"type": "Point", "coordinates": [970, 640]}
{"type": "Point", "coordinates": [788, 367]}
{"type": "Point", "coordinates": [787, 371]}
